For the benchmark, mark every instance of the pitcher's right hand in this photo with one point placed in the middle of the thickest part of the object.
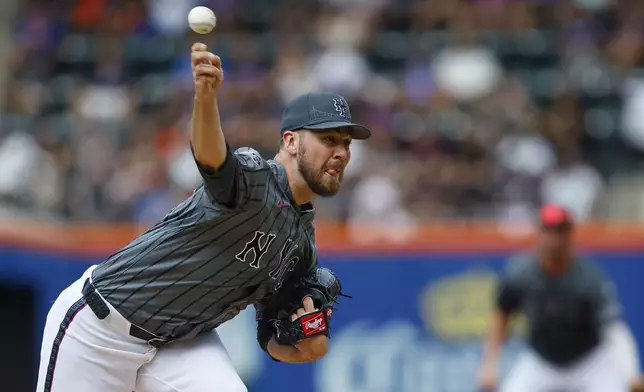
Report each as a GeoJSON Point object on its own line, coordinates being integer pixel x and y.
{"type": "Point", "coordinates": [207, 73]}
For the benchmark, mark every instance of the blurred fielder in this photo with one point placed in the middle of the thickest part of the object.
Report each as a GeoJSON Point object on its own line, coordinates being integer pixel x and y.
{"type": "Point", "coordinates": [577, 341]}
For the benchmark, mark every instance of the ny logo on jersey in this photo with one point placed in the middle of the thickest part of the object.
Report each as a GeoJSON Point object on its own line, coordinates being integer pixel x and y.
{"type": "Point", "coordinates": [258, 246]}
{"type": "Point", "coordinates": [287, 263]}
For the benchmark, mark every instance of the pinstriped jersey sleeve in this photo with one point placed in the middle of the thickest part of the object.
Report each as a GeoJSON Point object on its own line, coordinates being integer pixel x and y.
{"type": "Point", "coordinates": [264, 313]}
{"type": "Point", "coordinates": [241, 179]}
{"type": "Point", "coordinates": [510, 293]}
{"type": "Point", "coordinates": [608, 303]}
{"type": "Point", "coordinates": [604, 294]}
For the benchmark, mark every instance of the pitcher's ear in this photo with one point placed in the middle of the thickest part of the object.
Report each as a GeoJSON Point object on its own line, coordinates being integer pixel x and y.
{"type": "Point", "coordinates": [290, 142]}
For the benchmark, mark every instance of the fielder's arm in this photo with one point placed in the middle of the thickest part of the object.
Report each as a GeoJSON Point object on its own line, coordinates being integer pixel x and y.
{"type": "Point", "coordinates": [508, 302]}
{"type": "Point", "coordinates": [496, 335]}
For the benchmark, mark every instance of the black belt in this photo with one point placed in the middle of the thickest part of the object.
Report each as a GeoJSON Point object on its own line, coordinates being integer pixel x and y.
{"type": "Point", "coordinates": [101, 310]}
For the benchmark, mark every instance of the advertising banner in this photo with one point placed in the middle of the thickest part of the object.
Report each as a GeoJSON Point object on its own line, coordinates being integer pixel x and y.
{"type": "Point", "coordinates": [414, 324]}
{"type": "Point", "coordinates": [416, 320]}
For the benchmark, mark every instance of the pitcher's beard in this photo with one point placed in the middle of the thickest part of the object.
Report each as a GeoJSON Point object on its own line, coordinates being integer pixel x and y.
{"type": "Point", "coordinates": [319, 182]}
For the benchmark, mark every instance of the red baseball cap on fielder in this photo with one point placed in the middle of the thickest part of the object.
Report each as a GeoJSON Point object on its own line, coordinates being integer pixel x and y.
{"type": "Point", "coordinates": [554, 216]}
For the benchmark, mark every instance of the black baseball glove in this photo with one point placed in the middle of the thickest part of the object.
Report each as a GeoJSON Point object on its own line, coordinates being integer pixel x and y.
{"type": "Point", "coordinates": [324, 288]}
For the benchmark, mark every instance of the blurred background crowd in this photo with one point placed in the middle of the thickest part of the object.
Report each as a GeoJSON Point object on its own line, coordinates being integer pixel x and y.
{"type": "Point", "coordinates": [481, 109]}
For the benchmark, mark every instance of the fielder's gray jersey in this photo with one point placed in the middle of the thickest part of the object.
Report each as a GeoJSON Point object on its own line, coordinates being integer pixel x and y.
{"type": "Point", "coordinates": [565, 314]}
{"type": "Point", "coordinates": [230, 244]}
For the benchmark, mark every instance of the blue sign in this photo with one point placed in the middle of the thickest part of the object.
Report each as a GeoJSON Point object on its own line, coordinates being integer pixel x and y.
{"type": "Point", "coordinates": [415, 323]}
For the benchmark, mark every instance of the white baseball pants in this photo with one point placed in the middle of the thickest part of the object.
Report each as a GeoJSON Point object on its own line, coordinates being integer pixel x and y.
{"type": "Point", "coordinates": [81, 353]}
{"type": "Point", "coordinates": [597, 372]}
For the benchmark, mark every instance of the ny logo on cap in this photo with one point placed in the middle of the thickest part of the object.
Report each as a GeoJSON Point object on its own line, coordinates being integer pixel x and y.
{"type": "Point", "coordinates": [341, 107]}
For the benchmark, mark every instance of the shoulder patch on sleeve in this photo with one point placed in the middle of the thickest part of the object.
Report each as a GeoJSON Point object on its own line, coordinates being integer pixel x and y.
{"type": "Point", "coordinates": [250, 159]}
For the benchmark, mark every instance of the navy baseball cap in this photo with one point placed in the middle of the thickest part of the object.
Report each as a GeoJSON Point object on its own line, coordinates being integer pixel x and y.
{"type": "Point", "coordinates": [320, 112]}
{"type": "Point", "coordinates": [553, 216]}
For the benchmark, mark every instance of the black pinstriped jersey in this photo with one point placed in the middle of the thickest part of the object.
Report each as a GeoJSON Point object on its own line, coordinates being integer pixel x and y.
{"type": "Point", "coordinates": [566, 313]}
{"type": "Point", "coordinates": [232, 243]}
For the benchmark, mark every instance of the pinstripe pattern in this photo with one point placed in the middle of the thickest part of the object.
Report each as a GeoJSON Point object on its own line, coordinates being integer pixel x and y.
{"type": "Point", "coordinates": [182, 276]}
{"type": "Point", "coordinates": [567, 314]}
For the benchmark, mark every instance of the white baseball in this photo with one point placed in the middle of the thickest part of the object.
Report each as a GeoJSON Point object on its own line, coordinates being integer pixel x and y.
{"type": "Point", "coordinates": [202, 20]}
